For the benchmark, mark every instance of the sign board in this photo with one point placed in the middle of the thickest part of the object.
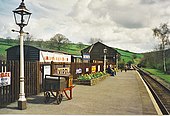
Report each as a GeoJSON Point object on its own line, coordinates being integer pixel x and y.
{"type": "Point", "coordinates": [47, 70]}
{"type": "Point", "coordinates": [53, 56]}
{"type": "Point", "coordinates": [87, 69]}
{"type": "Point", "coordinates": [5, 78]}
{"type": "Point", "coordinates": [98, 68]}
{"type": "Point", "coordinates": [86, 57]}
{"type": "Point", "coordinates": [78, 71]}
{"type": "Point", "coordinates": [65, 70]}
{"type": "Point", "coordinates": [93, 69]}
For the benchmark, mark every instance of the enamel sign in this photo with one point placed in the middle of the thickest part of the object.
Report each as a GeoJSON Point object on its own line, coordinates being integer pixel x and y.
{"type": "Point", "coordinates": [55, 57]}
{"type": "Point", "coordinates": [5, 78]}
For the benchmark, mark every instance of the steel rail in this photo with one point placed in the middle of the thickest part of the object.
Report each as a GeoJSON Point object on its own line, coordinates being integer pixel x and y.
{"type": "Point", "coordinates": [161, 105]}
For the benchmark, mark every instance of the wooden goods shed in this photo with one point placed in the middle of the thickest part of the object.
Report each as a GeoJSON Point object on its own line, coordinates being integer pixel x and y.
{"type": "Point", "coordinates": [33, 54]}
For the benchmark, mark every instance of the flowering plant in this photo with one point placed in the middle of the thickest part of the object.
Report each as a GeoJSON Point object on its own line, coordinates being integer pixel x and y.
{"type": "Point", "coordinates": [91, 76]}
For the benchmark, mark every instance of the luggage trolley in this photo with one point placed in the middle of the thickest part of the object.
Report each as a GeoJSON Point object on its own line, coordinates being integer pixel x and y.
{"type": "Point", "coordinates": [56, 85]}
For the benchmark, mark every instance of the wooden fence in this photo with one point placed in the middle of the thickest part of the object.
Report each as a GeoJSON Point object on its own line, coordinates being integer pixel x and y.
{"type": "Point", "coordinates": [33, 72]}
{"type": "Point", "coordinates": [86, 68]}
{"type": "Point", "coordinates": [10, 93]}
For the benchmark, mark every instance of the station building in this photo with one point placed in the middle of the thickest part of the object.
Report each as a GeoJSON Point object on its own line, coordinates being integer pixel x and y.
{"type": "Point", "coordinates": [95, 54]}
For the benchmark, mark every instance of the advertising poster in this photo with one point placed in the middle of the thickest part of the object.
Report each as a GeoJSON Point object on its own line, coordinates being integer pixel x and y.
{"type": "Point", "coordinates": [47, 70]}
{"type": "Point", "coordinates": [93, 69]}
{"type": "Point", "coordinates": [87, 69]}
{"type": "Point", "coordinates": [78, 71]}
{"type": "Point", "coordinates": [98, 67]}
{"type": "Point", "coordinates": [5, 78]}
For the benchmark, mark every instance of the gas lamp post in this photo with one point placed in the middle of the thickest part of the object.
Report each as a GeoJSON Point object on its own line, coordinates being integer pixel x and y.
{"type": "Point", "coordinates": [21, 16]}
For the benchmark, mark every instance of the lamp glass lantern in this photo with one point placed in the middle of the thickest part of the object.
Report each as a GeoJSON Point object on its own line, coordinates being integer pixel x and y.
{"type": "Point", "coordinates": [105, 50]}
{"type": "Point", "coordinates": [22, 15]}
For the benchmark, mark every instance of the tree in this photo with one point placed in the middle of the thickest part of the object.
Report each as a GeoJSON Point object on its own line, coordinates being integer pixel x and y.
{"type": "Point", "coordinates": [121, 64]}
{"type": "Point", "coordinates": [162, 33]}
{"type": "Point", "coordinates": [27, 39]}
{"type": "Point", "coordinates": [8, 39]}
{"type": "Point", "coordinates": [80, 45]}
{"type": "Point", "coordinates": [40, 43]}
{"type": "Point", "coordinates": [134, 56]}
{"type": "Point", "coordinates": [58, 40]}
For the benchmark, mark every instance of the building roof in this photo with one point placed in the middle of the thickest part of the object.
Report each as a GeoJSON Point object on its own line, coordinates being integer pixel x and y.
{"type": "Point", "coordinates": [38, 48]}
{"type": "Point", "coordinates": [96, 52]}
{"type": "Point", "coordinates": [90, 48]}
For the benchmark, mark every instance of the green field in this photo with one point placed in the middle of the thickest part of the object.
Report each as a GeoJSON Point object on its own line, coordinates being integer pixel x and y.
{"type": "Point", "coordinates": [130, 56]}
{"type": "Point", "coordinates": [3, 47]}
{"type": "Point", "coordinates": [158, 73]}
{"type": "Point", "coordinates": [71, 48]}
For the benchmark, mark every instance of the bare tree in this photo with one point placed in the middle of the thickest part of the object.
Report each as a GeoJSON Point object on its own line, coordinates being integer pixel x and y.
{"type": "Point", "coordinates": [40, 43]}
{"type": "Point", "coordinates": [162, 33]}
{"type": "Point", "coordinates": [27, 39]}
{"type": "Point", "coordinates": [58, 40]}
{"type": "Point", "coordinates": [80, 45]}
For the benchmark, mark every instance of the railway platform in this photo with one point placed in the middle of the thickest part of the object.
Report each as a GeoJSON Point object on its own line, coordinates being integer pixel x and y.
{"type": "Point", "coordinates": [123, 94]}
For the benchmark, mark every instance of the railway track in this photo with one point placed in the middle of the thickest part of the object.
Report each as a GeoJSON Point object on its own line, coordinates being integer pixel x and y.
{"type": "Point", "coordinates": [159, 91]}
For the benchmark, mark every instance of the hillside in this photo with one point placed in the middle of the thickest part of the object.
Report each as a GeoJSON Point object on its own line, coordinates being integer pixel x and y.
{"type": "Point", "coordinates": [127, 56]}
{"type": "Point", "coordinates": [3, 47]}
{"type": "Point", "coordinates": [71, 48]}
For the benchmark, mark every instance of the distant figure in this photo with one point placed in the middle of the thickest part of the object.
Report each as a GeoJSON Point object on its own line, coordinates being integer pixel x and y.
{"type": "Point", "coordinates": [122, 67]}
{"type": "Point", "coordinates": [115, 69]}
{"type": "Point", "coordinates": [110, 71]}
{"type": "Point", "coordinates": [126, 68]}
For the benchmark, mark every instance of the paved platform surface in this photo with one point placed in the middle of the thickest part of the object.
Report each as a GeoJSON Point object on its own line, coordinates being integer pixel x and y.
{"type": "Point", "coordinates": [123, 94]}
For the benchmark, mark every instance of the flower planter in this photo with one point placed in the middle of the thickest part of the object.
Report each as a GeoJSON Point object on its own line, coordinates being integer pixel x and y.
{"type": "Point", "coordinates": [92, 81]}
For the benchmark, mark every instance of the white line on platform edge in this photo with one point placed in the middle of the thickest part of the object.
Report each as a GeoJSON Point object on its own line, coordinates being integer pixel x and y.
{"type": "Point", "coordinates": [151, 96]}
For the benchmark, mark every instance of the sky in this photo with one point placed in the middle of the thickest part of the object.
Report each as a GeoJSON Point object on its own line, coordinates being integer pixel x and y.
{"type": "Point", "coordinates": [124, 24]}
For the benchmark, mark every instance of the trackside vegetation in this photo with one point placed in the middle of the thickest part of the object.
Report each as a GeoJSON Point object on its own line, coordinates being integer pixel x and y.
{"type": "Point", "coordinates": [158, 73]}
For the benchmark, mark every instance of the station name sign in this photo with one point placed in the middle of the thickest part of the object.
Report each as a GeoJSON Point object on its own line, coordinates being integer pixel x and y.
{"type": "Point", "coordinates": [5, 78]}
{"type": "Point", "coordinates": [55, 57]}
{"type": "Point", "coordinates": [86, 57]}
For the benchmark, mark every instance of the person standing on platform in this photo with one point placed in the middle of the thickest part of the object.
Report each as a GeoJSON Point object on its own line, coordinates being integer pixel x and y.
{"type": "Point", "coordinates": [115, 69]}
{"type": "Point", "coordinates": [126, 68]}
{"type": "Point", "coordinates": [110, 71]}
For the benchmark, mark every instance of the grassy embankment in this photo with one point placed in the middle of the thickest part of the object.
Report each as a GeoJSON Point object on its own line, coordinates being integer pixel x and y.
{"type": "Point", "coordinates": [158, 73]}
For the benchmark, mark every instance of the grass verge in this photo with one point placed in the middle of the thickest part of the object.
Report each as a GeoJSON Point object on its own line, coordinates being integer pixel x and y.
{"type": "Point", "coordinates": [158, 73]}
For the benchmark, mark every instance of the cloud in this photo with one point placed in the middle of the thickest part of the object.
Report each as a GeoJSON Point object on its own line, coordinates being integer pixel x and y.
{"type": "Point", "coordinates": [119, 23]}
